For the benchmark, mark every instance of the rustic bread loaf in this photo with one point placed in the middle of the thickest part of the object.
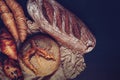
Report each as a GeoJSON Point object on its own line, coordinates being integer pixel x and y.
{"type": "Point", "coordinates": [61, 24]}
{"type": "Point", "coordinates": [44, 66]}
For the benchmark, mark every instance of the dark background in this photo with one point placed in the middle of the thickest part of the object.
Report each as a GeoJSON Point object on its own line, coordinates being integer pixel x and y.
{"type": "Point", "coordinates": [103, 18]}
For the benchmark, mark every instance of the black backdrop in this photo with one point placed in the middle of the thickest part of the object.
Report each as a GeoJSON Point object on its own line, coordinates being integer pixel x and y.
{"type": "Point", "coordinates": [103, 18]}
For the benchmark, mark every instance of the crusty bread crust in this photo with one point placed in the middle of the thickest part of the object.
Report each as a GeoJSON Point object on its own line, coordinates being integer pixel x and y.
{"type": "Point", "coordinates": [45, 67]}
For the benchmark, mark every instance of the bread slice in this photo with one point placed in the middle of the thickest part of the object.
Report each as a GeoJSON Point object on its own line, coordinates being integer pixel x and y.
{"type": "Point", "coordinates": [45, 67]}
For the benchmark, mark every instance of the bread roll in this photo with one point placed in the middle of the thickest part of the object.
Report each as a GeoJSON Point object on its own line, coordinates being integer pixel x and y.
{"type": "Point", "coordinates": [45, 67]}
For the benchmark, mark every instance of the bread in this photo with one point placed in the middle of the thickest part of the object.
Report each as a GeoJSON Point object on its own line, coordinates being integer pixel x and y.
{"type": "Point", "coordinates": [12, 70]}
{"type": "Point", "coordinates": [61, 24]}
{"type": "Point", "coordinates": [45, 67]}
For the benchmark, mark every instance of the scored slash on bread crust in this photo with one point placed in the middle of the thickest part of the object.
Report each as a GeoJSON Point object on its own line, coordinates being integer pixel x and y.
{"type": "Point", "coordinates": [62, 25]}
{"type": "Point", "coordinates": [44, 66]}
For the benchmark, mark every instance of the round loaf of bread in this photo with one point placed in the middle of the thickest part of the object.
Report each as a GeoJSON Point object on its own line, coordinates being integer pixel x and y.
{"type": "Point", "coordinates": [44, 66]}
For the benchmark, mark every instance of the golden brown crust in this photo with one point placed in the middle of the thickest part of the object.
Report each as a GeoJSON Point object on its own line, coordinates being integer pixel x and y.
{"type": "Point", "coordinates": [12, 69]}
{"type": "Point", "coordinates": [7, 44]}
{"type": "Point", "coordinates": [20, 18]}
{"type": "Point", "coordinates": [8, 19]}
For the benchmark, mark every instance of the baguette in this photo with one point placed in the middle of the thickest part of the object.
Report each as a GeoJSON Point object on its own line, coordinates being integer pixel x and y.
{"type": "Point", "coordinates": [20, 18]}
{"type": "Point", "coordinates": [7, 44]}
{"type": "Point", "coordinates": [62, 25]}
{"type": "Point", "coordinates": [8, 20]}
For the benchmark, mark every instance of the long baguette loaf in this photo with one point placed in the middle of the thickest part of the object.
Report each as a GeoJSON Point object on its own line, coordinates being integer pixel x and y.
{"type": "Point", "coordinates": [62, 25]}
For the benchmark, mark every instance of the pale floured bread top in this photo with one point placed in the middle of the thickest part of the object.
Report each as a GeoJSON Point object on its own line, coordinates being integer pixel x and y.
{"type": "Point", "coordinates": [45, 67]}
